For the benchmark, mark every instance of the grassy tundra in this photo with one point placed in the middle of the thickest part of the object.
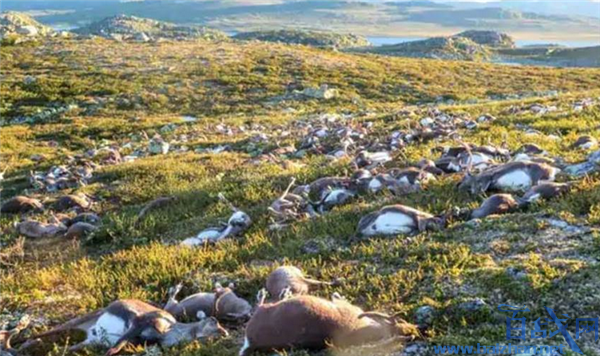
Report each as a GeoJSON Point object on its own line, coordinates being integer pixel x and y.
{"type": "Point", "coordinates": [123, 89]}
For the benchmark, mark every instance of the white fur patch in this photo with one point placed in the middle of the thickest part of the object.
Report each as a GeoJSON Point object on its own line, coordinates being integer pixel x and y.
{"type": "Point", "coordinates": [335, 194]}
{"type": "Point", "coordinates": [454, 167]}
{"type": "Point", "coordinates": [515, 180]}
{"type": "Point", "coordinates": [522, 157]}
{"type": "Point", "coordinates": [238, 216]}
{"type": "Point", "coordinates": [390, 224]}
{"type": "Point", "coordinates": [404, 180]}
{"type": "Point", "coordinates": [245, 346]}
{"type": "Point", "coordinates": [553, 172]}
{"type": "Point", "coordinates": [533, 197]}
{"type": "Point", "coordinates": [588, 145]}
{"type": "Point", "coordinates": [107, 330]}
{"type": "Point", "coordinates": [375, 185]}
{"type": "Point", "coordinates": [379, 157]}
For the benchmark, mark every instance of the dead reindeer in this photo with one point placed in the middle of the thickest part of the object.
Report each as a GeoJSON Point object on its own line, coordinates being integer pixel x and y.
{"type": "Point", "coordinates": [77, 202]}
{"type": "Point", "coordinates": [21, 204]}
{"type": "Point", "coordinates": [512, 176]}
{"type": "Point", "coordinates": [223, 304]}
{"type": "Point", "coordinates": [334, 197]}
{"type": "Point", "coordinates": [89, 218]}
{"type": "Point", "coordinates": [585, 142]}
{"type": "Point", "coordinates": [7, 335]}
{"type": "Point", "coordinates": [290, 206]}
{"type": "Point", "coordinates": [380, 182]}
{"type": "Point", "coordinates": [370, 160]}
{"type": "Point", "coordinates": [429, 166]}
{"type": "Point", "coordinates": [322, 187]}
{"type": "Point", "coordinates": [35, 229]}
{"type": "Point", "coordinates": [80, 230]}
{"type": "Point", "coordinates": [290, 279]}
{"type": "Point", "coordinates": [131, 320]}
{"type": "Point", "coordinates": [199, 305]}
{"type": "Point", "coordinates": [412, 178]}
{"type": "Point", "coordinates": [309, 322]}
{"type": "Point", "coordinates": [546, 191]}
{"type": "Point", "coordinates": [398, 219]}
{"type": "Point", "coordinates": [153, 205]}
{"type": "Point", "coordinates": [238, 222]}
{"type": "Point", "coordinates": [229, 307]}
{"type": "Point", "coordinates": [496, 204]}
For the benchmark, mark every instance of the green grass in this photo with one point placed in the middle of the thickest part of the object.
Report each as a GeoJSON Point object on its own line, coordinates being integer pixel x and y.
{"type": "Point", "coordinates": [233, 83]}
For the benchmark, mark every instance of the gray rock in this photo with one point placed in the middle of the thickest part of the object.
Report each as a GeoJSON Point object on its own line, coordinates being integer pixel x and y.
{"type": "Point", "coordinates": [473, 305]}
{"type": "Point", "coordinates": [581, 169]}
{"type": "Point", "coordinates": [594, 157]}
{"type": "Point", "coordinates": [424, 315]}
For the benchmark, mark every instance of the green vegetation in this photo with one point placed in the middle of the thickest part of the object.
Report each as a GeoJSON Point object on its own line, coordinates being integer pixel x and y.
{"type": "Point", "coordinates": [554, 56]}
{"type": "Point", "coordinates": [307, 38]}
{"type": "Point", "coordinates": [121, 90]}
{"type": "Point", "coordinates": [122, 26]}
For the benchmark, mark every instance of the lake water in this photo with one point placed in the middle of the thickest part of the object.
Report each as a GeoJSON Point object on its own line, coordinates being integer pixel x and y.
{"type": "Point", "coordinates": [381, 41]}
{"type": "Point", "coordinates": [62, 26]}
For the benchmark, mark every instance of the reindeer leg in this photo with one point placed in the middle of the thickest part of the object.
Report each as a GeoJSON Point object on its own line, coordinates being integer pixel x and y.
{"type": "Point", "coordinates": [80, 346]}
{"type": "Point", "coordinates": [261, 296]}
{"type": "Point", "coordinates": [286, 293]}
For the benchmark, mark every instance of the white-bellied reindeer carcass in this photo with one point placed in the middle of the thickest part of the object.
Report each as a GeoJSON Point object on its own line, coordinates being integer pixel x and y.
{"type": "Point", "coordinates": [511, 177]}
{"type": "Point", "coordinates": [398, 219]}
{"type": "Point", "coordinates": [222, 304]}
{"type": "Point", "coordinates": [130, 320]}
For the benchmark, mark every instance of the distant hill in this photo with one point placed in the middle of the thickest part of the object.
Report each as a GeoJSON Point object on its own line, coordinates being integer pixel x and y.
{"type": "Point", "coordinates": [308, 38]}
{"type": "Point", "coordinates": [454, 48]}
{"type": "Point", "coordinates": [131, 27]}
{"type": "Point", "coordinates": [489, 38]}
{"type": "Point", "coordinates": [21, 25]}
{"type": "Point", "coordinates": [553, 56]}
{"type": "Point", "coordinates": [586, 8]}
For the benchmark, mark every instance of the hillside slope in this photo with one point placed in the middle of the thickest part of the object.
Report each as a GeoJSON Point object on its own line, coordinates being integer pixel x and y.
{"type": "Point", "coordinates": [235, 119]}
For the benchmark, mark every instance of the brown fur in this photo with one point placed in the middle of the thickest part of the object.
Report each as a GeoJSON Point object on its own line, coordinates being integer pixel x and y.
{"type": "Point", "coordinates": [496, 204]}
{"type": "Point", "coordinates": [21, 204]}
{"type": "Point", "coordinates": [80, 230]}
{"type": "Point", "coordinates": [35, 229]}
{"type": "Point", "coordinates": [312, 323]}
{"type": "Point", "coordinates": [72, 201]}
{"type": "Point", "coordinates": [153, 205]}
{"type": "Point", "coordinates": [289, 277]}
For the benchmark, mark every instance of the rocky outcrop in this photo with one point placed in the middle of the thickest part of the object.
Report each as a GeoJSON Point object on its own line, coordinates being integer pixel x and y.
{"type": "Point", "coordinates": [453, 48]}
{"type": "Point", "coordinates": [488, 38]}
{"type": "Point", "coordinates": [123, 27]}
{"type": "Point", "coordinates": [19, 25]}
{"type": "Point", "coordinates": [307, 38]}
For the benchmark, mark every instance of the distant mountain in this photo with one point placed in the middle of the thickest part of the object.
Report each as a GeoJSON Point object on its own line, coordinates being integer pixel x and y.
{"type": "Point", "coordinates": [562, 8]}
{"type": "Point", "coordinates": [414, 18]}
{"type": "Point", "coordinates": [420, 4]}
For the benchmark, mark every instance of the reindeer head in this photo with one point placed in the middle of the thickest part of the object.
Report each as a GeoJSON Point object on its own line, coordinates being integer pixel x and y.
{"type": "Point", "coordinates": [208, 328]}
{"type": "Point", "coordinates": [395, 325]}
{"type": "Point", "coordinates": [228, 306]}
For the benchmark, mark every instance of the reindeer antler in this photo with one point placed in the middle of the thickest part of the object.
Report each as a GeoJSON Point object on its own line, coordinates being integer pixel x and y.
{"type": "Point", "coordinates": [226, 201]}
{"type": "Point", "coordinates": [287, 190]}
